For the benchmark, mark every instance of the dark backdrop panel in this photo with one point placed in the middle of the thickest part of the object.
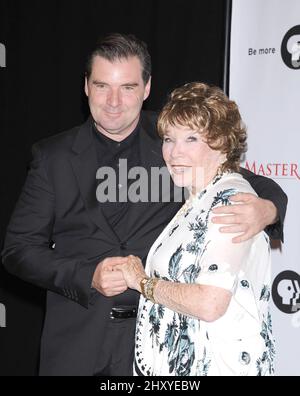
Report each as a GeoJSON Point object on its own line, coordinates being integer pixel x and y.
{"type": "Point", "coordinates": [42, 94]}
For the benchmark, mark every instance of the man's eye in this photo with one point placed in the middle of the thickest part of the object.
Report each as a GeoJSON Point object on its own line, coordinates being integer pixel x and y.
{"type": "Point", "coordinates": [128, 88]}
{"type": "Point", "coordinates": [101, 86]}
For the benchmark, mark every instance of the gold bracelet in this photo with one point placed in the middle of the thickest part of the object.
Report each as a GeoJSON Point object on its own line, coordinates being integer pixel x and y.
{"type": "Point", "coordinates": [149, 287]}
{"type": "Point", "coordinates": [142, 285]}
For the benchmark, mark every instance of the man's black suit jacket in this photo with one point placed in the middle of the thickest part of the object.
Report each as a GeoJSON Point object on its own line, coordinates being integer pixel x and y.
{"type": "Point", "coordinates": [58, 204]}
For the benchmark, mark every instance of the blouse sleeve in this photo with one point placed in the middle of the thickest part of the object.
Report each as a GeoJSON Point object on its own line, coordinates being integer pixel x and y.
{"type": "Point", "coordinates": [221, 260]}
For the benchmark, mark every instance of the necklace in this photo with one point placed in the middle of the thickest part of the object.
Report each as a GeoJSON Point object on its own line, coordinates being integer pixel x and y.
{"type": "Point", "coordinates": [184, 209]}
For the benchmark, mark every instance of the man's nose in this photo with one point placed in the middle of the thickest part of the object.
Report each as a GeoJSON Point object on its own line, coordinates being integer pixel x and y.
{"type": "Point", "coordinates": [114, 98]}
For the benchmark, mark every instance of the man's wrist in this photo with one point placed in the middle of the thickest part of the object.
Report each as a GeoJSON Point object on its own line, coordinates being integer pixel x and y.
{"type": "Point", "coordinates": [274, 216]}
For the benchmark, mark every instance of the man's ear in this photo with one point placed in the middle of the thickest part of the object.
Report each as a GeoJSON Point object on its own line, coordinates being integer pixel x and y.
{"type": "Point", "coordinates": [86, 89]}
{"type": "Point", "coordinates": [147, 89]}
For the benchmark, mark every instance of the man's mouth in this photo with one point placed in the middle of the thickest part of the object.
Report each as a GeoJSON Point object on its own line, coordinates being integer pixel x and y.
{"type": "Point", "coordinates": [113, 114]}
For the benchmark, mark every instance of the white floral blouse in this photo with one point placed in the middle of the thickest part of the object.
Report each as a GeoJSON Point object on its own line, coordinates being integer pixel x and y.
{"type": "Point", "coordinates": [192, 250]}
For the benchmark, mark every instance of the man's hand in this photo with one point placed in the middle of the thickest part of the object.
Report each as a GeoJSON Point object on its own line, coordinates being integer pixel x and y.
{"type": "Point", "coordinates": [108, 279]}
{"type": "Point", "coordinates": [248, 218]}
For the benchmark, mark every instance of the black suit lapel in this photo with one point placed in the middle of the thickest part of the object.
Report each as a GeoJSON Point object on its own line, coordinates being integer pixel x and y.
{"type": "Point", "coordinates": [151, 157]}
{"type": "Point", "coordinates": [150, 145]}
{"type": "Point", "coordinates": [85, 166]}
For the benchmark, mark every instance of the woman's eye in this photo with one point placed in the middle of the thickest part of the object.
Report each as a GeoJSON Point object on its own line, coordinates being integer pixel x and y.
{"type": "Point", "coordinates": [192, 139]}
{"type": "Point", "coordinates": [167, 140]}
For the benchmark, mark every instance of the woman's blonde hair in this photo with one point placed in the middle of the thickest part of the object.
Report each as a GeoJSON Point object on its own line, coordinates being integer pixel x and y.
{"type": "Point", "coordinates": [207, 109]}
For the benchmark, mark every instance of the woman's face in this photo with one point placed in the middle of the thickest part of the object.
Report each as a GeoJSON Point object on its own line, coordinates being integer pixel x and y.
{"type": "Point", "coordinates": [190, 161]}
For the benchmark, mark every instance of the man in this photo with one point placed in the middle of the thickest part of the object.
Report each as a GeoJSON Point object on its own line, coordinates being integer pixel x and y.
{"type": "Point", "coordinates": [90, 315]}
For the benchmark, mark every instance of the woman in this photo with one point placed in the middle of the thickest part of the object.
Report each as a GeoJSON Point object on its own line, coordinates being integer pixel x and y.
{"type": "Point", "coordinates": [204, 304]}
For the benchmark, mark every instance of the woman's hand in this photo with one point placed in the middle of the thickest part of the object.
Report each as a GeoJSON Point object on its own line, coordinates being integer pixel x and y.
{"type": "Point", "coordinates": [133, 272]}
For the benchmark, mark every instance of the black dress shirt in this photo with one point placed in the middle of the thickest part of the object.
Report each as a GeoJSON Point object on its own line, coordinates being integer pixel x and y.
{"type": "Point", "coordinates": [109, 154]}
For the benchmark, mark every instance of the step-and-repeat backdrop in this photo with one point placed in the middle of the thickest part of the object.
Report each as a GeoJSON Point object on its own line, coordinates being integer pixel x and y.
{"type": "Point", "coordinates": [265, 82]}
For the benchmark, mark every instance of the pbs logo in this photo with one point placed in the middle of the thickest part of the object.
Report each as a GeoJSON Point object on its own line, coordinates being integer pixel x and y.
{"type": "Point", "coordinates": [290, 48]}
{"type": "Point", "coordinates": [286, 291]}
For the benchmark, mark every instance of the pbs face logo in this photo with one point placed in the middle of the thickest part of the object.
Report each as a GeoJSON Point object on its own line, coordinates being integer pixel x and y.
{"type": "Point", "coordinates": [290, 48]}
{"type": "Point", "coordinates": [286, 291]}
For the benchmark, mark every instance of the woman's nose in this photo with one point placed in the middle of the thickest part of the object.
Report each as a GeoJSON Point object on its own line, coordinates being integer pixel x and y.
{"type": "Point", "coordinates": [177, 150]}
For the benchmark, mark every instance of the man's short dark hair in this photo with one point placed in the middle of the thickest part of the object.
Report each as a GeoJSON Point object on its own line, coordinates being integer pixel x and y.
{"type": "Point", "coordinates": [119, 46]}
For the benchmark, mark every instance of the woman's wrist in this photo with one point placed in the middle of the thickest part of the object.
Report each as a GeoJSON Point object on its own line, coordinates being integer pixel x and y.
{"type": "Point", "coordinates": [148, 286]}
{"type": "Point", "coordinates": [142, 284]}
{"type": "Point", "coordinates": [139, 279]}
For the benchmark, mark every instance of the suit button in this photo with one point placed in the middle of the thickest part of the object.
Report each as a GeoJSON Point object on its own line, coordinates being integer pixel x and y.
{"type": "Point", "coordinates": [123, 246]}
